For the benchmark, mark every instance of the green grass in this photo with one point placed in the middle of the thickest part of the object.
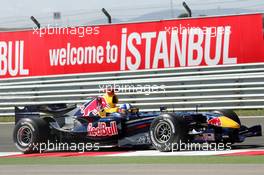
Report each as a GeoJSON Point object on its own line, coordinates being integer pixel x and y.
{"type": "Point", "coordinates": [136, 160]}
{"type": "Point", "coordinates": [7, 119]}
{"type": "Point", "coordinates": [250, 112]}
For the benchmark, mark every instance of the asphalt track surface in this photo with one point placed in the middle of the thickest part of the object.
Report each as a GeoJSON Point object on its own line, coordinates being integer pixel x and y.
{"type": "Point", "coordinates": [6, 142]}
{"type": "Point", "coordinates": [6, 145]}
{"type": "Point", "coordinates": [132, 169]}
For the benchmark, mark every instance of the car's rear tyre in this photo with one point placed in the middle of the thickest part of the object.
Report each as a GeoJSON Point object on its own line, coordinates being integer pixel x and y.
{"type": "Point", "coordinates": [29, 133]}
{"type": "Point", "coordinates": [168, 132]}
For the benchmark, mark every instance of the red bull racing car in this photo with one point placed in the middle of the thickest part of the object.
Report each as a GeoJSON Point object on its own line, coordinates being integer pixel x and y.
{"type": "Point", "coordinates": [124, 127]}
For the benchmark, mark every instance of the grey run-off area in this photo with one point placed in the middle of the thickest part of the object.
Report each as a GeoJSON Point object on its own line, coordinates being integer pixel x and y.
{"type": "Point", "coordinates": [132, 169]}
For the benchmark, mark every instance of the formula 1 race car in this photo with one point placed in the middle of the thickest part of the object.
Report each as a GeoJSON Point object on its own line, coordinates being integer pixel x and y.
{"type": "Point", "coordinates": [128, 128]}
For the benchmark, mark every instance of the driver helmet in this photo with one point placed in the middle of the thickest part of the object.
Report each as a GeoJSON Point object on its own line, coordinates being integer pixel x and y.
{"type": "Point", "coordinates": [124, 108]}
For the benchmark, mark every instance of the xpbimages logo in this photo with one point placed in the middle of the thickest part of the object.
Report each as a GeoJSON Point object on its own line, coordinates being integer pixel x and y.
{"type": "Point", "coordinates": [145, 89]}
{"type": "Point", "coordinates": [189, 146]}
{"type": "Point", "coordinates": [80, 31]}
{"type": "Point", "coordinates": [64, 146]}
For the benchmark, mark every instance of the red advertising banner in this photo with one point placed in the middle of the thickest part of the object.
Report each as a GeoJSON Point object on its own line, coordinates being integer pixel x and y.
{"type": "Point", "coordinates": [134, 46]}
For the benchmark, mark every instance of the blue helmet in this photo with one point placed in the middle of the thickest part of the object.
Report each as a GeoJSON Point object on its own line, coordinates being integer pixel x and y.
{"type": "Point", "coordinates": [125, 107]}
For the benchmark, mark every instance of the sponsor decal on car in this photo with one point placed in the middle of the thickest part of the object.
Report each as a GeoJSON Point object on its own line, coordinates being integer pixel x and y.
{"type": "Point", "coordinates": [215, 122]}
{"type": "Point", "coordinates": [93, 107]}
{"type": "Point", "coordinates": [102, 129]}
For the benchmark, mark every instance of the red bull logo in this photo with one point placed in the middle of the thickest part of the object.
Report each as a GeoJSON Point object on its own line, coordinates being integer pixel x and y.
{"type": "Point", "coordinates": [93, 107]}
{"type": "Point", "coordinates": [102, 129]}
{"type": "Point", "coordinates": [215, 122]}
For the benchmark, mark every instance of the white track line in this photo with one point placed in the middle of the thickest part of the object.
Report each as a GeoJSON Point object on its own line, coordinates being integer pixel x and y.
{"type": "Point", "coordinates": [2, 154]}
{"type": "Point", "coordinates": [7, 123]}
{"type": "Point", "coordinates": [151, 153]}
{"type": "Point", "coordinates": [180, 153]}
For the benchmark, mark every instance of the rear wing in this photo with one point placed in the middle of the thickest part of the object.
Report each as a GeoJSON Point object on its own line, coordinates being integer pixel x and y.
{"type": "Point", "coordinates": [31, 111]}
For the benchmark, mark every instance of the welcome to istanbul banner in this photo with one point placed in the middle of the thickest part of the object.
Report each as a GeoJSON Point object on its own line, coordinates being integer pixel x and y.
{"type": "Point", "coordinates": [177, 43]}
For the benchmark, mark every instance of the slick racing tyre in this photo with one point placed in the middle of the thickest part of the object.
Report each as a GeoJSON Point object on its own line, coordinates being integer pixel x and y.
{"type": "Point", "coordinates": [29, 133]}
{"type": "Point", "coordinates": [167, 132]}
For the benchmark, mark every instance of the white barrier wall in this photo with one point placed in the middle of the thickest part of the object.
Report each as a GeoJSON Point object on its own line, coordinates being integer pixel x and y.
{"type": "Point", "coordinates": [213, 87]}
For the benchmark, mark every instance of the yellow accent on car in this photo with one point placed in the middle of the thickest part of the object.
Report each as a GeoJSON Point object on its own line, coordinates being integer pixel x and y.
{"type": "Point", "coordinates": [228, 123]}
{"type": "Point", "coordinates": [111, 110]}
